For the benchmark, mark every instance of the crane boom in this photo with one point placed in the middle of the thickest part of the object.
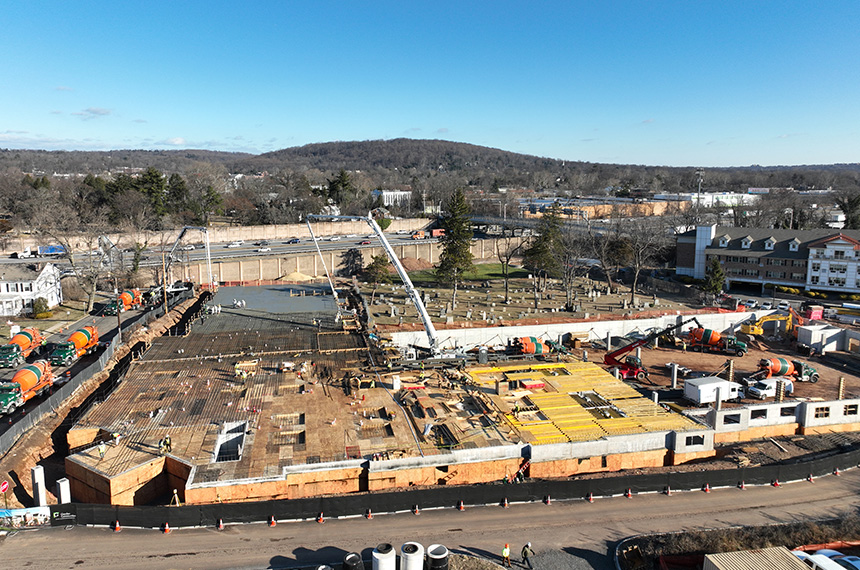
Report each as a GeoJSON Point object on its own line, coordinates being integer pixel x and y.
{"type": "Point", "coordinates": [401, 271]}
{"type": "Point", "coordinates": [631, 367]}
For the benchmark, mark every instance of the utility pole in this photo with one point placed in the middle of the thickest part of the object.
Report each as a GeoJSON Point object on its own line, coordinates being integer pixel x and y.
{"type": "Point", "coordinates": [164, 280]}
{"type": "Point", "coordinates": [699, 174]}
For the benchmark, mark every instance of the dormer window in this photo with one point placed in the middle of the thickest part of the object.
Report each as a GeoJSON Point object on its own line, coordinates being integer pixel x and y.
{"type": "Point", "coordinates": [724, 241]}
{"type": "Point", "coordinates": [794, 244]}
{"type": "Point", "coordinates": [746, 242]}
{"type": "Point", "coordinates": [769, 243]}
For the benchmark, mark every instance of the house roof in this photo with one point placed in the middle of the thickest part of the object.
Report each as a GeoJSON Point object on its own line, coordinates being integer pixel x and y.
{"type": "Point", "coordinates": [781, 238]}
{"type": "Point", "coordinates": [21, 271]}
{"type": "Point", "coordinates": [839, 236]}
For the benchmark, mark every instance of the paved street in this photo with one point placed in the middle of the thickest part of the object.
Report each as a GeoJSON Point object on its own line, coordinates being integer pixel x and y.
{"type": "Point", "coordinates": [565, 534]}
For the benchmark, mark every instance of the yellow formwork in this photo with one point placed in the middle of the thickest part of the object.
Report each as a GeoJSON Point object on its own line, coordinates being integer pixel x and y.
{"type": "Point", "coordinates": [566, 420]}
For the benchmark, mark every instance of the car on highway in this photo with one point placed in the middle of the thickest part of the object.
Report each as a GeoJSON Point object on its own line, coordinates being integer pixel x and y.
{"type": "Point", "coordinates": [188, 247]}
{"type": "Point", "coordinates": [352, 235]}
{"type": "Point", "coordinates": [263, 249]}
{"type": "Point", "coordinates": [402, 232]}
{"type": "Point", "coordinates": [334, 238]}
{"type": "Point", "coordinates": [292, 241]}
{"type": "Point", "coordinates": [365, 242]}
{"type": "Point", "coordinates": [262, 242]}
{"type": "Point", "coordinates": [237, 243]}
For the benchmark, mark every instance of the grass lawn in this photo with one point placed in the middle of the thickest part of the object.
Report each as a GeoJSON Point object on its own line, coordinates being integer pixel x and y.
{"type": "Point", "coordinates": [482, 272]}
{"type": "Point", "coordinates": [68, 312]}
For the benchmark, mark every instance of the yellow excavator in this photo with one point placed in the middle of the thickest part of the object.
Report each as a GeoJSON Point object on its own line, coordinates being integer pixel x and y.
{"type": "Point", "coordinates": [755, 328]}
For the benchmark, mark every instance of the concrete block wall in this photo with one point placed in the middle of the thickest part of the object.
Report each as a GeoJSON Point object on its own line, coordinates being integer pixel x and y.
{"type": "Point", "coordinates": [833, 413]}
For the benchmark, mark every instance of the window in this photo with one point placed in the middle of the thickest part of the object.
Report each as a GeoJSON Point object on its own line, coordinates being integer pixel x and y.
{"type": "Point", "coordinates": [798, 263]}
{"type": "Point", "coordinates": [793, 245]}
{"type": "Point", "coordinates": [822, 412]}
{"type": "Point", "coordinates": [814, 280]}
{"type": "Point", "coordinates": [836, 282]}
{"type": "Point", "coordinates": [788, 411]}
{"type": "Point", "coordinates": [724, 242]}
{"type": "Point", "coordinates": [850, 410]}
{"type": "Point", "coordinates": [816, 266]}
{"type": "Point", "coordinates": [751, 260]}
{"type": "Point", "coordinates": [798, 276]}
{"type": "Point", "coordinates": [695, 440]}
{"type": "Point", "coordinates": [769, 244]}
{"type": "Point", "coordinates": [838, 254]}
{"type": "Point", "coordinates": [746, 243]}
{"type": "Point", "coordinates": [731, 419]}
{"type": "Point", "coordinates": [758, 414]}
{"type": "Point", "coordinates": [838, 267]}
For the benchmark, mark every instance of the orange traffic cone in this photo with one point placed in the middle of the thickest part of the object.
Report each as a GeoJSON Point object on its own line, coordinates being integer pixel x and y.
{"type": "Point", "coordinates": [461, 506]}
{"type": "Point", "coordinates": [810, 479]}
{"type": "Point", "coordinates": [628, 493]}
{"type": "Point", "coordinates": [219, 525]}
{"type": "Point", "coordinates": [166, 528]}
{"type": "Point", "coordinates": [272, 521]}
{"type": "Point", "coordinates": [706, 488]}
{"type": "Point", "coordinates": [547, 500]}
{"type": "Point", "coordinates": [320, 518]}
{"type": "Point", "coordinates": [116, 526]}
{"type": "Point", "coordinates": [835, 471]}
{"type": "Point", "coordinates": [775, 483]}
{"type": "Point", "coordinates": [590, 498]}
{"type": "Point", "coordinates": [416, 510]}
{"type": "Point", "coordinates": [505, 503]}
{"type": "Point", "coordinates": [742, 486]}
{"type": "Point", "coordinates": [668, 491]}
{"type": "Point", "coordinates": [369, 514]}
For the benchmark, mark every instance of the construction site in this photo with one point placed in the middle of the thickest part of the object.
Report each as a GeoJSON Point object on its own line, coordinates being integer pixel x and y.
{"type": "Point", "coordinates": [284, 392]}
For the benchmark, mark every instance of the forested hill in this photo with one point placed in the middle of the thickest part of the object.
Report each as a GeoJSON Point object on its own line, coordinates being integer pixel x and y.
{"type": "Point", "coordinates": [409, 161]}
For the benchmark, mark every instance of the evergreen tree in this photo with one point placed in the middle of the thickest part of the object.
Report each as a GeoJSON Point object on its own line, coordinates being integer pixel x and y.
{"type": "Point", "coordinates": [715, 277]}
{"type": "Point", "coordinates": [456, 257]}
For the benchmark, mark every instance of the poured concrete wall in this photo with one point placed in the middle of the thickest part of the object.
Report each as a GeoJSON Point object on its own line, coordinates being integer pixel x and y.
{"type": "Point", "coordinates": [596, 330]}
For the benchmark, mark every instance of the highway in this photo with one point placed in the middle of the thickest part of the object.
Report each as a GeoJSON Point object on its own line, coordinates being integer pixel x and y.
{"type": "Point", "coordinates": [583, 535]}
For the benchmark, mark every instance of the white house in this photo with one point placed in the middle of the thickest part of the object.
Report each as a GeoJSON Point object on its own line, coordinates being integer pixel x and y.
{"type": "Point", "coordinates": [23, 283]}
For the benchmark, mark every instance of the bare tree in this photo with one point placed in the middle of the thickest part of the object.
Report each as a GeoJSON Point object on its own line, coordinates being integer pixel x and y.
{"type": "Point", "coordinates": [508, 247]}
{"type": "Point", "coordinates": [644, 240]}
{"type": "Point", "coordinates": [574, 249]}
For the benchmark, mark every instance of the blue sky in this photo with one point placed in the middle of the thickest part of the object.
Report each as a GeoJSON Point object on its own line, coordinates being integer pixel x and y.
{"type": "Point", "coordinates": [684, 83]}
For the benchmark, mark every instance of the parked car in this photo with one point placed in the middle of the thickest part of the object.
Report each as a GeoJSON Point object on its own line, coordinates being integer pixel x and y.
{"type": "Point", "coordinates": [783, 306]}
{"type": "Point", "coordinates": [767, 305]}
{"type": "Point", "coordinates": [750, 303]}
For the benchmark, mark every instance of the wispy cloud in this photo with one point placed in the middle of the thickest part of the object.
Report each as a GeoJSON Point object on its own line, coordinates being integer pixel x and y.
{"type": "Point", "coordinates": [442, 130]}
{"type": "Point", "coordinates": [587, 140]}
{"type": "Point", "coordinates": [92, 113]}
{"type": "Point", "coordinates": [63, 88]}
{"type": "Point", "coordinates": [140, 121]}
{"type": "Point", "coordinates": [647, 121]}
{"type": "Point", "coordinates": [790, 135]}
{"type": "Point", "coordinates": [172, 141]}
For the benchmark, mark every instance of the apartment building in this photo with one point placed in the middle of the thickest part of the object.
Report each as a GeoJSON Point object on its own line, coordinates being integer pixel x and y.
{"type": "Point", "coordinates": [821, 259]}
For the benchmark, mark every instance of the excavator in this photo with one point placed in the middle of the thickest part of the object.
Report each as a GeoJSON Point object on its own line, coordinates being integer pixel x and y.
{"type": "Point", "coordinates": [755, 327]}
{"type": "Point", "coordinates": [631, 367]}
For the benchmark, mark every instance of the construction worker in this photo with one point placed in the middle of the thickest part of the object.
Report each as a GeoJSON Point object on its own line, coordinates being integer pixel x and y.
{"type": "Point", "coordinates": [527, 553]}
{"type": "Point", "coordinates": [168, 445]}
{"type": "Point", "coordinates": [506, 556]}
{"type": "Point", "coordinates": [102, 450]}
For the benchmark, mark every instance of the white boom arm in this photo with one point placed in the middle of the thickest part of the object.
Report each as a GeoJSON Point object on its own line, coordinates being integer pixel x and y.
{"type": "Point", "coordinates": [410, 289]}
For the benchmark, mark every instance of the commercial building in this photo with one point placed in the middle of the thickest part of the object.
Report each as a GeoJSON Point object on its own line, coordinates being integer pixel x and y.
{"type": "Point", "coordinates": [820, 259]}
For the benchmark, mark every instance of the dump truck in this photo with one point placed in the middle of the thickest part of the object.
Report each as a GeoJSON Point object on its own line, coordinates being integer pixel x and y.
{"type": "Point", "coordinates": [794, 369]}
{"type": "Point", "coordinates": [30, 381]}
{"type": "Point", "coordinates": [20, 348]}
{"type": "Point", "coordinates": [419, 235]}
{"type": "Point", "coordinates": [125, 301]}
{"type": "Point", "coordinates": [81, 342]}
{"type": "Point", "coordinates": [707, 340]}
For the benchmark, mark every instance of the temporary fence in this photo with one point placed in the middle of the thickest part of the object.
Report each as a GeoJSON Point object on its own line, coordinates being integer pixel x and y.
{"type": "Point", "coordinates": [453, 497]}
{"type": "Point", "coordinates": [22, 421]}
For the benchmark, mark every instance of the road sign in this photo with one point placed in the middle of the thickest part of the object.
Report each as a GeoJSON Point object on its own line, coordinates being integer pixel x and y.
{"type": "Point", "coordinates": [4, 486]}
